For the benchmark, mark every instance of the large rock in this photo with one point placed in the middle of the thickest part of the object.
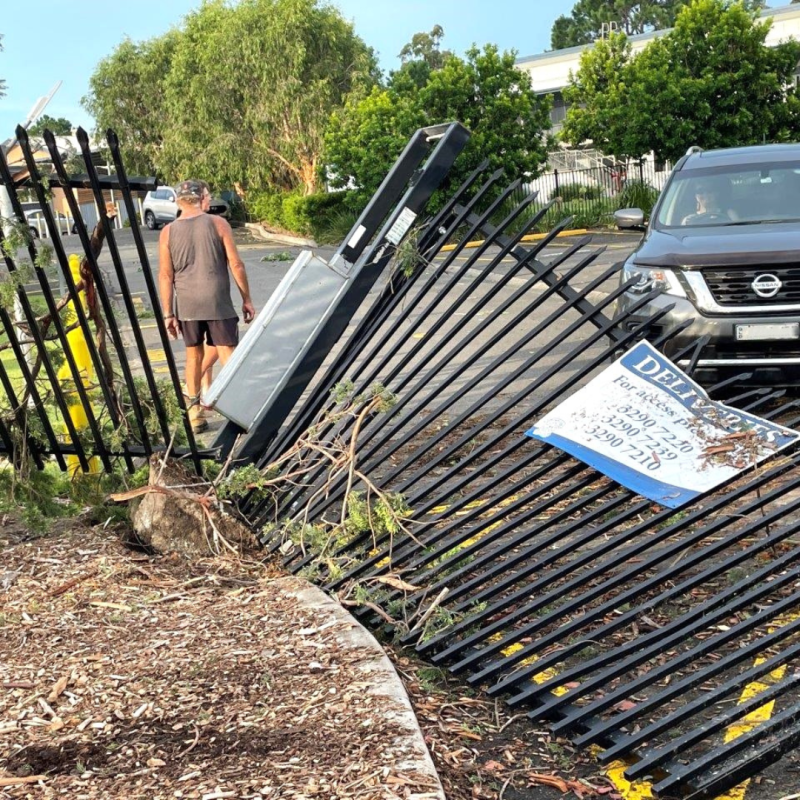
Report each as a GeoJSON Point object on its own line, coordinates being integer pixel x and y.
{"type": "Point", "coordinates": [182, 520]}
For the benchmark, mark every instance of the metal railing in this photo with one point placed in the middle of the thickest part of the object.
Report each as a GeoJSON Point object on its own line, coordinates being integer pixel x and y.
{"type": "Point", "coordinates": [591, 195]}
{"type": "Point", "coordinates": [86, 388]}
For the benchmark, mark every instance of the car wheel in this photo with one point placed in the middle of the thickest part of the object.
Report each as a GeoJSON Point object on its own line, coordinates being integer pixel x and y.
{"type": "Point", "coordinates": [150, 221]}
{"type": "Point", "coordinates": [34, 232]}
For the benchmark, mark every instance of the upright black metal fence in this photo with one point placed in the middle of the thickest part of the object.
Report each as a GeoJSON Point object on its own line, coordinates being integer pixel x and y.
{"type": "Point", "coordinates": [105, 400]}
{"type": "Point", "coordinates": [591, 195]}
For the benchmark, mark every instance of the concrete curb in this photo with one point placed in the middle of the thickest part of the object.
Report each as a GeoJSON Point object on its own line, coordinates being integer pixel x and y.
{"type": "Point", "coordinates": [257, 229]}
{"type": "Point", "coordinates": [381, 679]}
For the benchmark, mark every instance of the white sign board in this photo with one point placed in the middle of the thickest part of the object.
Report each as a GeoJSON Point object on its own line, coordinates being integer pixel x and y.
{"type": "Point", "coordinates": [651, 428]}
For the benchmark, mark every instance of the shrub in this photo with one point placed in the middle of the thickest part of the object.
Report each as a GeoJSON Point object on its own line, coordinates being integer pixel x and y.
{"type": "Point", "coordinates": [266, 207]}
{"type": "Point", "coordinates": [579, 191]}
{"type": "Point", "coordinates": [326, 216]}
{"type": "Point", "coordinates": [638, 194]}
{"type": "Point", "coordinates": [295, 214]}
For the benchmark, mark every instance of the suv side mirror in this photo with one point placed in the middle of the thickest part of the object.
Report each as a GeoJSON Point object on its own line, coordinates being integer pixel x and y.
{"type": "Point", "coordinates": [629, 218]}
{"type": "Point", "coordinates": [171, 198]}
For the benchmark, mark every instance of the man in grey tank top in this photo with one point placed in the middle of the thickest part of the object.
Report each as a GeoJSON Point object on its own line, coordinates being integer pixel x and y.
{"type": "Point", "coordinates": [195, 252]}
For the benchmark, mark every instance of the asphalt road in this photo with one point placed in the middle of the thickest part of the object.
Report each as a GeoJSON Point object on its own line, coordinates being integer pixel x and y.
{"type": "Point", "coordinates": [265, 275]}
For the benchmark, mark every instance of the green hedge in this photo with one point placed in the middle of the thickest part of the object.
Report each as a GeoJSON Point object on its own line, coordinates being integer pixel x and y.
{"type": "Point", "coordinates": [579, 191]}
{"type": "Point", "coordinates": [326, 217]}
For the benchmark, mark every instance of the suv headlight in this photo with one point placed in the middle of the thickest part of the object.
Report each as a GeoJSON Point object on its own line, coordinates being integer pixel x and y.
{"type": "Point", "coordinates": [650, 278]}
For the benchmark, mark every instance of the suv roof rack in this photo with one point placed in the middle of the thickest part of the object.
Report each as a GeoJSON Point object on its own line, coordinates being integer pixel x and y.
{"type": "Point", "coordinates": [694, 149]}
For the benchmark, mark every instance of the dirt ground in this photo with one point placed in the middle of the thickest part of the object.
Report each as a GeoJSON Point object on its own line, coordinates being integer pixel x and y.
{"type": "Point", "coordinates": [124, 675]}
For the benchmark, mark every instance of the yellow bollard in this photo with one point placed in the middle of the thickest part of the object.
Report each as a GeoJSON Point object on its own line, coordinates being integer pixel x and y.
{"type": "Point", "coordinates": [76, 341]}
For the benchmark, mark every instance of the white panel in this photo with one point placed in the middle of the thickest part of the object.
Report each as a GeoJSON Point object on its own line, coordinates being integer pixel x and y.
{"type": "Point", "coordinates": [276, 340]}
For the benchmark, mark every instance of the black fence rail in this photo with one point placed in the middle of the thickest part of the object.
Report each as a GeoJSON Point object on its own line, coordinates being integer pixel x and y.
{"type": "Point", "coordinates": [620, 623]}
{"type": "Point", "coordinates": [81, 384]}
{"type": "Point", "coordinates": [591, 195]}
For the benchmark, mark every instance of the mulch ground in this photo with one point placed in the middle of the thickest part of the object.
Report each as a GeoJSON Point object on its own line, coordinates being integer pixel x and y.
{"type": "Point", "coordinates": [129, 676]}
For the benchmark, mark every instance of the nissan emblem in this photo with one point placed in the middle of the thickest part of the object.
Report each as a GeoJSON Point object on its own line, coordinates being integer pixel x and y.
{"type": "Point", "coordinates": [766, 285]}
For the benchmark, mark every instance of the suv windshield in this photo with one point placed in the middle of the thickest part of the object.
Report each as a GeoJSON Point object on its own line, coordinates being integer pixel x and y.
{"type": "Point", "coordinates": [745, 194]}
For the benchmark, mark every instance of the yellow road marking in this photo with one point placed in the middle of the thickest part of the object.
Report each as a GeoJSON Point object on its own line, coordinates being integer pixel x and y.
{"type": "Point", "coordinates": [531, 237]}
{"type": "Point", "coordinates": [643, 790]}
{"type": "Point", "coordinates": [157, 355]}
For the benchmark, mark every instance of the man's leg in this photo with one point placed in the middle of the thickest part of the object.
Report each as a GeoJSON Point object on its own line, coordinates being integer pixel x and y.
{"type": "Point", "coordinates": [224, 352]}
{"type": "Point", "coordinates": [210, 357]}
{"type": "Point", "coordinates": [194, 365]}
{"type": "Point", "coordinates": [194, 369]}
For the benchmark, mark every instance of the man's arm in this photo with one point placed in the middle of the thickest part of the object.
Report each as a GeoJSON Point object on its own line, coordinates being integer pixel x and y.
{"type": "Point", "coordinates": [237, 267]}
{"type": "Point", "coordinates": [166, 283]}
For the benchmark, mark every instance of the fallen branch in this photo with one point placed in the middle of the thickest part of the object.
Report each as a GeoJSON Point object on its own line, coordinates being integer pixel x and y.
{"type": "Point", "coordinates": [65, 587]}
{"type": "Point", "coordinates": [431, 608]}
{"type": "Point", "coordinates": [28, 779]}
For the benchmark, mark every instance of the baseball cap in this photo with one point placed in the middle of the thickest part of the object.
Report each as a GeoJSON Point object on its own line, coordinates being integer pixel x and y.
{"type": "Point", "coordinates": [192, 188]}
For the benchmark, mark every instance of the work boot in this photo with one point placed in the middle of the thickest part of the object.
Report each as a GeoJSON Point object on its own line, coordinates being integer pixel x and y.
{"type": "Point", "coordinates": [197, 417]}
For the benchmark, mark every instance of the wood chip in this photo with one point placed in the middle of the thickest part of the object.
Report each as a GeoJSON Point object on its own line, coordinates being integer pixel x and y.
{"type": "Point", "coordinates": [58, 688]}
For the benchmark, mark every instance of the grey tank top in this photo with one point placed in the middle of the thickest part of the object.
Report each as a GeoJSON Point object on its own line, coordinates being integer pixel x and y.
{"type": "Point", "coordinates": [202, 281]}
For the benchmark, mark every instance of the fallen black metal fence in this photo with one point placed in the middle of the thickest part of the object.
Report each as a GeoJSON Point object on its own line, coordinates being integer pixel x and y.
{"type": "Point", "coordinates": [623, 625]}
{"type": "Point", "coordinates": [106, 403]}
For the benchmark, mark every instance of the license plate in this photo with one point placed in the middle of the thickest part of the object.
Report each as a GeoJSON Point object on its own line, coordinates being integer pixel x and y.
{"type": "Point", "coordinates": [768, 331]}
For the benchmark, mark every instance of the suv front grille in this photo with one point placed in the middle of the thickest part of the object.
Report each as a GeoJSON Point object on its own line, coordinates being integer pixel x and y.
{"type": "Point", "coordinates": [732, 286]}
{"type": "Point", "coordinates": [763, 350]}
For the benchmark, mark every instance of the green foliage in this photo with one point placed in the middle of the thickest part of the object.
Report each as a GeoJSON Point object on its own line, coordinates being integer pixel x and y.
{"type": "Point", "coordinates": [10, 283]}
{"type": "Point", "coordinates": [579, 191]}
{"type": "Point", "coordinates": [295, 214]}
{"type": "Point", "coordinates": [16, 236]}
{"type": "Point", "coordinates": [421, 56]}
{"type": "Point", "coordinates": [245, 481]}
{"type": "Point", "coordinates": [439, 620]}
{"type": "Point", "coordinates": [266, 207]}
{"type": "Point", "coordinates": [335, 225]}
{"type": "Point", "coordinates": [342, 391]}
{"type": "Point", "coordinates": [250, 89]}
{"type": "Point", "coordinates": [40, 497]}
{"type": "Point", "coordinates": [126, 93]}
{"type": "Point", "coordinates": [130, 430]}
{"type": "Point", "coordinates": [382, 517]}
{"type": "Point", "coordinates": [595, 96]}
{"type": "Point", "coordinates": [60, 126]}
{"type": "Point", "coordinates": [326, 216]}
{"type": "Point", "coordinates": [284, 255]}
{"type": "Point", "coordinates": [484, 91]}
{"type": "Point", "coordinates": [711, 81]}
{"type": "Point", "coordinates": [638, 194]}
{"type": "Point", "coordinates": [585, 23]}
{"type": "Point", "coordinates": [241, 93]}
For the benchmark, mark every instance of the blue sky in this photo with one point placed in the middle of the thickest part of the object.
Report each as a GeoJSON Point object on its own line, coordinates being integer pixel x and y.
{"type": "Point", "coordinates": [71, 36]}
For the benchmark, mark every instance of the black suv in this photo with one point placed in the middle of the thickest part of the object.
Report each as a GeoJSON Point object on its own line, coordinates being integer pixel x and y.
{"type": "Point", "coordinates": [723, 243]}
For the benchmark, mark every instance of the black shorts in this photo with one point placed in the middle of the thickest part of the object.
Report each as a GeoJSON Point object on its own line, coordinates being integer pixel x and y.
{"type": "Point", "coordinates": [224, 332]}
